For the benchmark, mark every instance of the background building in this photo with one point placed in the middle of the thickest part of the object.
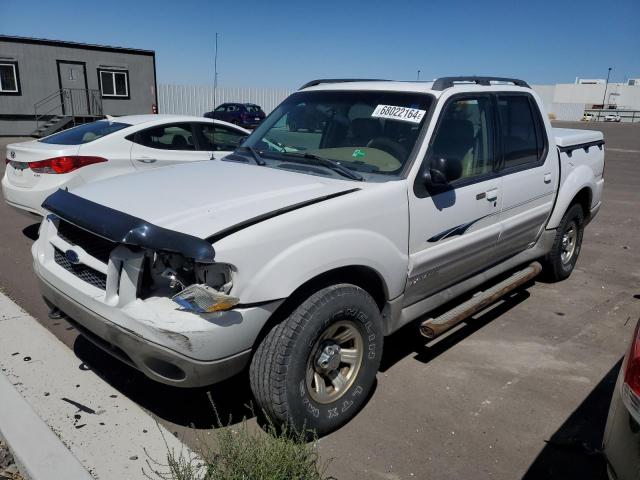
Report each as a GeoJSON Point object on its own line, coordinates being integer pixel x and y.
{"type": "Point", "coordinates": [46, 85]}
{"type": "Point", "coordinates": [569, 101]}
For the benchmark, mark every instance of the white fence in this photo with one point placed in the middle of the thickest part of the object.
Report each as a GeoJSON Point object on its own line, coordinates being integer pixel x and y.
{"type": "Point", "coordinates": [196, 100]}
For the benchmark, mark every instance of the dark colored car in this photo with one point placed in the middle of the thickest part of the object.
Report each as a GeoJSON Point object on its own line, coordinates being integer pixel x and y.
{"type": "Point", "coordinates": [247, 115]}
{"type": "Point", "coordinates": [303, 117]}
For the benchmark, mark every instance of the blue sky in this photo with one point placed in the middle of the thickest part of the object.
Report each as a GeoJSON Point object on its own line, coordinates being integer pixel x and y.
{"type": "Point", "coordinates": [285, 43]}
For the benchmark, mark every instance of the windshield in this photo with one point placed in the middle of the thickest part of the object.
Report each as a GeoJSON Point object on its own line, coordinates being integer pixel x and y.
{"type": "Point", "coordinates": [372, 132]}
{"type": "Point", "coordinates": [85, 133]}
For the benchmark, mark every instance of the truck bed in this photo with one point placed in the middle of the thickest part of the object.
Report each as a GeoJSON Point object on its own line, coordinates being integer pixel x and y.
{"type": "Point", "coordinates": [568, 137]}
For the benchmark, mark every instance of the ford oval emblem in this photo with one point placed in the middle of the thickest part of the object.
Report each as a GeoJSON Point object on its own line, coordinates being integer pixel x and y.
{"type": "Point", "coordinates": [13, 154]}
{"type": "Point", "coordinates": [72, 257]}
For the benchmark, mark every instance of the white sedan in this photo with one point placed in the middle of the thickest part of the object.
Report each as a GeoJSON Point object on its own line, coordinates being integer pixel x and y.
{"type": "Point", "coordinates": [612, 117]}
{"type": "Point", "coordinates": [106, 148]}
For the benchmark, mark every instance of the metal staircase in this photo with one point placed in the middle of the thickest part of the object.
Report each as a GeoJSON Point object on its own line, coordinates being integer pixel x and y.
{"type": "Point", "coordinates": [65, 108]}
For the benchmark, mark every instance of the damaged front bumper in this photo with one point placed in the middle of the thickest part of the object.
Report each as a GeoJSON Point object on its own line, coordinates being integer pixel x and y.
{"type": "Point", "coordinates": [164, 358]}
{"type": "Point", "coordinates": [157, 361]}
{"type": "Point", "coordinates": [153, 334]}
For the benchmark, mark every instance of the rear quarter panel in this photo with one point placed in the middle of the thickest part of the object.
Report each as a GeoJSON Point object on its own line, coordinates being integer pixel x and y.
{"type": "Point", "coordinates": [579, 169]}
{"type": "Point", "coordinates": [116, 149]}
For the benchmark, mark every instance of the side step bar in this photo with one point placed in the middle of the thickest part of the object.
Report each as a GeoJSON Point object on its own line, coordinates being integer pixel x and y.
{"type": "Point", "coordinates": [436, 326]}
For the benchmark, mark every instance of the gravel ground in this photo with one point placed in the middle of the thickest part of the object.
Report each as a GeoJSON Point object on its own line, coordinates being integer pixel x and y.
{"type": "Point", "coordinates": [8, 469]}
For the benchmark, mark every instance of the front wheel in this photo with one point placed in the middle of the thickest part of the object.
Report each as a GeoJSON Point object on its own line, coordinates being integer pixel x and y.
{"type": "Point", "coordinates": [315, 369]}
{"type": "Point", "coordinates": [560, 261]}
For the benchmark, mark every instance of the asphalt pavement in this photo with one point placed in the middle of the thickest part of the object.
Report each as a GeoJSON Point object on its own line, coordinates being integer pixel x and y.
{"type": "Point", "coordinates": [519, 391]}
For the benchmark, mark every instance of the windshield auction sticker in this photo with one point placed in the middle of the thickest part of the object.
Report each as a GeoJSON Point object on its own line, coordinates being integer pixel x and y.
{"type": "Point", "coordinates": [404, 114]}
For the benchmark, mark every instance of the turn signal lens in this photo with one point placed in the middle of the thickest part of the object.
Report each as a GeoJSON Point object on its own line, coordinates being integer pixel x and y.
{"type": "Point", "coordinates": [64, 164]}
{"type": "Point", "coordinates": [204, 299]}
{"type": "Point", "coordinates": [631, 385]}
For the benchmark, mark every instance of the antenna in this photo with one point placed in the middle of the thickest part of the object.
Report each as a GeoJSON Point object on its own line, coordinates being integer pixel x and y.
{"type": "Point", "coordinates": [215, 73]}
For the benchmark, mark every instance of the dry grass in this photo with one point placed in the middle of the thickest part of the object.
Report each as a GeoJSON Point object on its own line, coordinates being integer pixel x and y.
{"type": "Point", "coordinates": [245, 453]}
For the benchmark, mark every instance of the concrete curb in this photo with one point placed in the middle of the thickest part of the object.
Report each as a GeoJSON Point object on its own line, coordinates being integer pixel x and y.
{"type": "Point", "coordinates": [110, 435]}
{"type": "Point", "coordinates": [38, 452]}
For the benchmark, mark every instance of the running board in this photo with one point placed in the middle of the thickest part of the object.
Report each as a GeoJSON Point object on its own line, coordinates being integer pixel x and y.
{"type": "Point", "coordinates": [435, 326]}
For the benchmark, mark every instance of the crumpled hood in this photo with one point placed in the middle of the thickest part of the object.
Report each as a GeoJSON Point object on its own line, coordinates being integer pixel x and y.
{"type": "Point", "coordinates": [205, 198]}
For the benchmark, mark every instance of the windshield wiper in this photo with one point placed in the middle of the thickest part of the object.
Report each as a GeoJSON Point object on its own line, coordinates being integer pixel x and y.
{"type": "Point", "coordinates": [254, 153]}
{"type": "Point", "coordinates": [311, 159]}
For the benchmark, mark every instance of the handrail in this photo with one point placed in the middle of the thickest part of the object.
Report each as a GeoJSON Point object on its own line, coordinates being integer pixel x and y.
{"type": "Point", "coordinates": [88, 103]}
{"type": "Point", "coordinates": [47, 98]}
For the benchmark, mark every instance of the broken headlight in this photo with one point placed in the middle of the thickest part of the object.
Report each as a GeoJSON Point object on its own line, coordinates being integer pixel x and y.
{"type": "Point", "coordinates": [200, 288]}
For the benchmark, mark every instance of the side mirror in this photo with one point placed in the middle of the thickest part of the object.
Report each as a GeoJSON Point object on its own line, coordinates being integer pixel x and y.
{"type": "Point", "coordinates": [242, 139]}
{"type": "Point", "coordinates": [442, 171]}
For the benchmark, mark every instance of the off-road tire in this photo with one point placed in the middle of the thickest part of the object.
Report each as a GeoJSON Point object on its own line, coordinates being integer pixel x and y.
{"type": "Point", "coordinates": [554, 268]}
{"type": "Point", "coordinates": [279, 368]}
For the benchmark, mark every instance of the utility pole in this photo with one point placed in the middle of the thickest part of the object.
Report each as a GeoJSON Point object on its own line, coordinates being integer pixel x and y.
{"type": "Point", "coordinates": [605, 88]}
{"type": "Point", "coordinates": [215, 74]}
{"type": "Point", "coordinates": [418, 75]}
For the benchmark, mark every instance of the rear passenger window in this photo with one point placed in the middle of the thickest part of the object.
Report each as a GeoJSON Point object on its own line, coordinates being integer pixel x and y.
{"type": "Point", "coordinates": [175, 136]}
{"type": "Point", "coordinates": [465, 133]}
{"type": "Point", "coordinates": [522, 140]}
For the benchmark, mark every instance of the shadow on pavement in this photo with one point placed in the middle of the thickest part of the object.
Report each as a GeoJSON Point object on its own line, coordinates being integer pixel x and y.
{"type": "Point", "coordinates": [408, 339]}
{"type": "Point", "coordinates": [573, 452]}
{"type": "Point", "coordinates": [31, 232]}
{"type": "Point", "coordinates": [232, 398]}
{"type": "Point", "coordinates": [182, 406]}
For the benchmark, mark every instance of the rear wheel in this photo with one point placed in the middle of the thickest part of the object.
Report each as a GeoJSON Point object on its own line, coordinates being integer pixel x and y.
{"type": "Point", "coordinates": [560, 261]}
{"type": "Point", "coordinates": [315, 369]}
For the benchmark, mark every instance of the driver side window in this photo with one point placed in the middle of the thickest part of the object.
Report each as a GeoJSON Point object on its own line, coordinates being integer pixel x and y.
{"type": "Point", "coordinates": [465, 133]}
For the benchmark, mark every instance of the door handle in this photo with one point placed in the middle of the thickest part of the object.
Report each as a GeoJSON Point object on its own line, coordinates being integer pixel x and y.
{"type": "Point", "coordinates": [492, 194]}
{"type": "Point", "coordinates": [547, 177]}
{"type": "Point", "coordinates": [146, 160]}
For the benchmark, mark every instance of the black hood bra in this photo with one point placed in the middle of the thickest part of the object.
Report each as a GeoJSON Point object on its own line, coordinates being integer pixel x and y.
{"type": "Point", "coordinates": [124, 228]}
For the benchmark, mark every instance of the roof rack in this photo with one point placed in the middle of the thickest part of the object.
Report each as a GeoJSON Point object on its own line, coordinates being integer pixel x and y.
{"type": "Point", "coordinates": [313, 83]}
{"type": "Point", "coordinates": [448, 82]}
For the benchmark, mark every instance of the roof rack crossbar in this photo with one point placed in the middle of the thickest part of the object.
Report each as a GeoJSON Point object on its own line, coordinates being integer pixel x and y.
{"type": "Point", "coordinates": [448, 82]}
{"type": "Point", "coordinates": [313, 83]}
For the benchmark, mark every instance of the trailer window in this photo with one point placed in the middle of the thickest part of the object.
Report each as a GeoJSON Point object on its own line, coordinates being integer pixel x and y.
{"type": "Point", "coordinates": [114, 83]}
{"type": "Point", "coordinates": [9, 82]}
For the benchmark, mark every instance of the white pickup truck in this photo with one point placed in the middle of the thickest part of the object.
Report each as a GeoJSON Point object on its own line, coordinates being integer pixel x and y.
{"type": "Point", "coordinates": [296, 255]}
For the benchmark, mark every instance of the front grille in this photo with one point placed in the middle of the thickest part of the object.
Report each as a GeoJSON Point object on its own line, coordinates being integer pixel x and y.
{"type": "Point", "coordinates": [94, 245]}
{"type": "Point", "coordinates": [83, 272]}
